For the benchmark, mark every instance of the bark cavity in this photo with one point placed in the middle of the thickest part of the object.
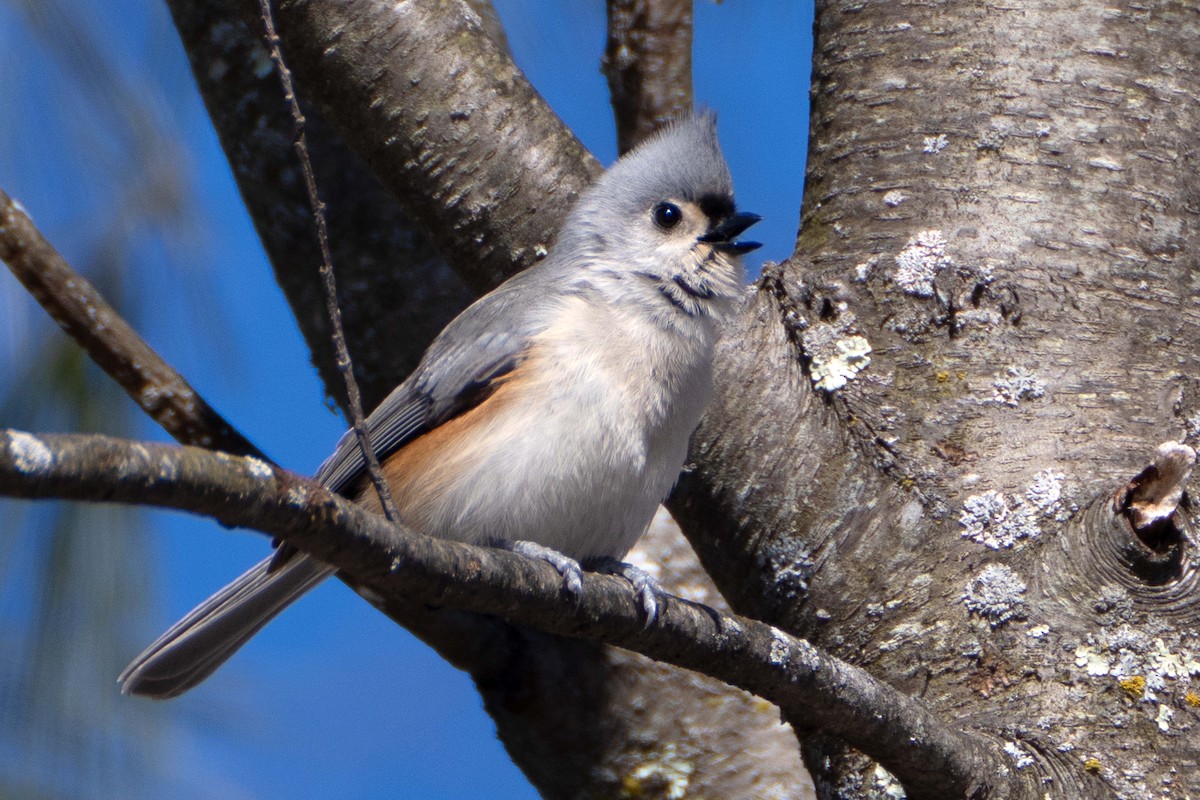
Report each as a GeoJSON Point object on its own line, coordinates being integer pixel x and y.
{"type": "Point", "coordinates": [1150, 503]}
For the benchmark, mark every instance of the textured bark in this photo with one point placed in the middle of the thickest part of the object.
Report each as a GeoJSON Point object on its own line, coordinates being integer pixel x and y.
{"type": "Point", "coordinates": [1001, 201]}
{"type": "Point", "coordinates": [446, 121]}
{"type": "Point", "coordinates": [648, 64]}
{"type": "Point", "coordinates": [395, 291]}
{"type": "Point", "coordinates": [934, 759]}
{"type": "Point", "coordinates": [648, 729]}
{"type": "Point", "coordinates": [922, 419]}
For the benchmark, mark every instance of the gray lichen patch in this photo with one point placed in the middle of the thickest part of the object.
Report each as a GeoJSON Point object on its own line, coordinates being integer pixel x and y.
{"type": "Point", "coordinates": [297, 496]}
{"type": "Point", "coordinates": [836, 351]}
{"type": "Point", "coordinates": [1191, 426]}
{"type": "Point", "coordinates": [1016, 384]}
{"type": "Point", "coordinates": [1018, 754]}
{"type": "Point", "coordinates": [665, 773]}
{"type": "Point", "coordinates": [1158, 674]}
{"type": "Point", "coordinates": [790, 566]}
{"type": "Point", "coordinates": [997, 594]}
{"type": "Point", "coordinates": [257, 468]}
{"type": "Point", "coordinates": [997, 521]}
{"type": "Point", "coordinates": [1045, 493]}
{"type": "Point", "coordinates": [867, 780]}
{"type": "Point", "coordinates": [920, 262]}
{"type": "Point", "coordinates": [30, 456]}
{"type": "Point", "coordinates": [863, 271]}
{"type": "Point", "coordinates": [1001, 521]}
{"type": "Point", "coordinates": [884, 786]}
{"type": "Point", "coordinates": [780, 654]}
{"type": "Point", "coordinates": [850, 356]}
{"type": "Point", "coordinates": [912, 634]}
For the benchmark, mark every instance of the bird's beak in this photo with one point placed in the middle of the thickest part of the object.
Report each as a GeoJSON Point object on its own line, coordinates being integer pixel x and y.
{"type": "Point", "coordinates": [722, 235]}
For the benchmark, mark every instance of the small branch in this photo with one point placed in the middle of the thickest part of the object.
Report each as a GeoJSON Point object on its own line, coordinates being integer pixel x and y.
{"type": "Point", "coordinates": [344, 365]}
{"type": "Point", "coordinates": [1153, 543]}
{"type": "Point", "coordinates": [75, 304]}
{"type": "Point", "coordinates": [1153, 495]}
{"type": "Point", "coordinates": [929, 757]}
{"type": "Point", "coordinates": [648, 63]}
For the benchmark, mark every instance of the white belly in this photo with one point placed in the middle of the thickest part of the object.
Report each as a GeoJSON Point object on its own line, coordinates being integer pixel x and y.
{"type": "Point", "coordinates": [589, 440]}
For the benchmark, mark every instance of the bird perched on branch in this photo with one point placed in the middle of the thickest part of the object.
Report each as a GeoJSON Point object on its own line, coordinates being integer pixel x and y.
{"type": "Point", "coordinates": [552, 416]}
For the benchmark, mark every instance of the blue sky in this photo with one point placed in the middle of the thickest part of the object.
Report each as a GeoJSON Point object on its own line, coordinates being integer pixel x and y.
{"type": "Point", "coordinates": [332, 699]}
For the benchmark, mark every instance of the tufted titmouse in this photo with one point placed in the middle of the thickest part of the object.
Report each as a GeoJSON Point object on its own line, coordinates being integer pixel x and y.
{"type": "Point", "coordinates": [553, 413]}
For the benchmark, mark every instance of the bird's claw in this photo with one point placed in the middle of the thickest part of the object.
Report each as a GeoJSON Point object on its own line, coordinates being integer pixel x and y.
{"type": "Point", "coordinates": [646, 588]}
{"type": "Point", "coordinates": [568, 568]}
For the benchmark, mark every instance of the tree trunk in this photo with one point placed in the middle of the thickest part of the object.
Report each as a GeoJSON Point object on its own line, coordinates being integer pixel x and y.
{"type": "Point", "coordinates": [987, 329]}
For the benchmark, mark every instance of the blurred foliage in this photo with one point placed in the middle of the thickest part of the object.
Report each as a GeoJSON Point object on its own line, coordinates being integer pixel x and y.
{"type": "Point", "coordinates": [89, 144]}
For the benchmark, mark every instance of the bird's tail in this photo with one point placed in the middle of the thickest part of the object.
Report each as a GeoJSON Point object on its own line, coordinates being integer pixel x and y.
{"type": "Point", "coordinates": [202, 641]}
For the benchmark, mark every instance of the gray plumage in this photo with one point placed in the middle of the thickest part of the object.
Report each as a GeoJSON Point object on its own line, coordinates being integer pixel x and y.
{"type": "Point", "coordinates": [555, 409]}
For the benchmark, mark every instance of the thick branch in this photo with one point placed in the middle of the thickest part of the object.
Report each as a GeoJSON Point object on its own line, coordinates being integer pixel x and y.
{"type": "Point", "coordinates": [648, 64]}
{"type": "Point", "coordinates": [932, 759]}
{"type": "Point", "coordinates": [394, 291]}
{"type": "Point", "coordinates": [446, 120]}
{"type": "Point", "coordinates": [77, 306]}
{"type": "Point", "coordinates": [394, 296]}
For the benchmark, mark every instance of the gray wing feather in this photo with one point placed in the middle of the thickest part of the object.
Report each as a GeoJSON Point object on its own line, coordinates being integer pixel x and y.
{"type": "Point", "coordinates": [481, 344]}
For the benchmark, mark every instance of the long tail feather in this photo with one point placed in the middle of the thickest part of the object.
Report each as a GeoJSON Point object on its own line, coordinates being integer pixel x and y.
{"type": "Point", "coordinates": [202, 641]}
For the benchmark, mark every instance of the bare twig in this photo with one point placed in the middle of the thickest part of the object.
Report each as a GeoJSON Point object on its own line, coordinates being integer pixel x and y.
{"type": "Point", "coordinates": [648, 63]}
{"type": "Point", "coordinates": [929, 757]}
{"type": "Point", "coordinates": [77, 306]}
{"type": "Point", "coordinates": [344, 365]}
{"type": "Point", "coordinates": [1152, 496]}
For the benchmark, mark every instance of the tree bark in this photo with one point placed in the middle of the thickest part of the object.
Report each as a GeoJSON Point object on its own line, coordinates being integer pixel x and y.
{"type": "Point", "coordinates": [387, 560]}
{"type": "Point", "coordinates": [395, 291]}
{"type": "Point", "coordinates": [447, 122]}
{"type": "Point", "coordinates": [999, 204]}
{"type": "Point", "coordinates": [648, 64]}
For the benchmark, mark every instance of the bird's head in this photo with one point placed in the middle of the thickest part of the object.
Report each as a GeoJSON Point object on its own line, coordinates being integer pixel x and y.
{"type": "Point", "coordinates": [665, 213]}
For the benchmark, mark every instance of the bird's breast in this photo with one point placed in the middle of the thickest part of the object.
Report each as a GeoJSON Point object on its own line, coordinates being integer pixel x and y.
{"type": "Point", "coordinates": [574, 449]}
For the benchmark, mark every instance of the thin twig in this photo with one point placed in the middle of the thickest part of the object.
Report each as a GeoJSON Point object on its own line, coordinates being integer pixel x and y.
{"type": "Point", "coordinates": [344, 365]}
{"type": "Point", "coordinates": [76, 305]}
{"type": "Point", "coordinates": [931, 758]}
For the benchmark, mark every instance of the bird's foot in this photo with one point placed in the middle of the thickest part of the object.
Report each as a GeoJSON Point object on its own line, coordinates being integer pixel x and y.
{"type": "Point", "coordinates": [646, 588]}
{"type": "Point", "coordinates": [568, 568]}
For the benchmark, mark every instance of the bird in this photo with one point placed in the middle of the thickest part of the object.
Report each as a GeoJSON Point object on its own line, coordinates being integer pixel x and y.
{"type": "Point", "coordinates": [552, 416]}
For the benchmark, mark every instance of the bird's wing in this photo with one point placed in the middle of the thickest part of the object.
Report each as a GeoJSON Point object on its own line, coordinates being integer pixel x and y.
{"type": "Point", "coordinates": [458, 372]}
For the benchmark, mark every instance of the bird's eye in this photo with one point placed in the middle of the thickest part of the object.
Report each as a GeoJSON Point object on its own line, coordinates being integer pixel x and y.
{"type": "Point", "coordinates": [667, 215]}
